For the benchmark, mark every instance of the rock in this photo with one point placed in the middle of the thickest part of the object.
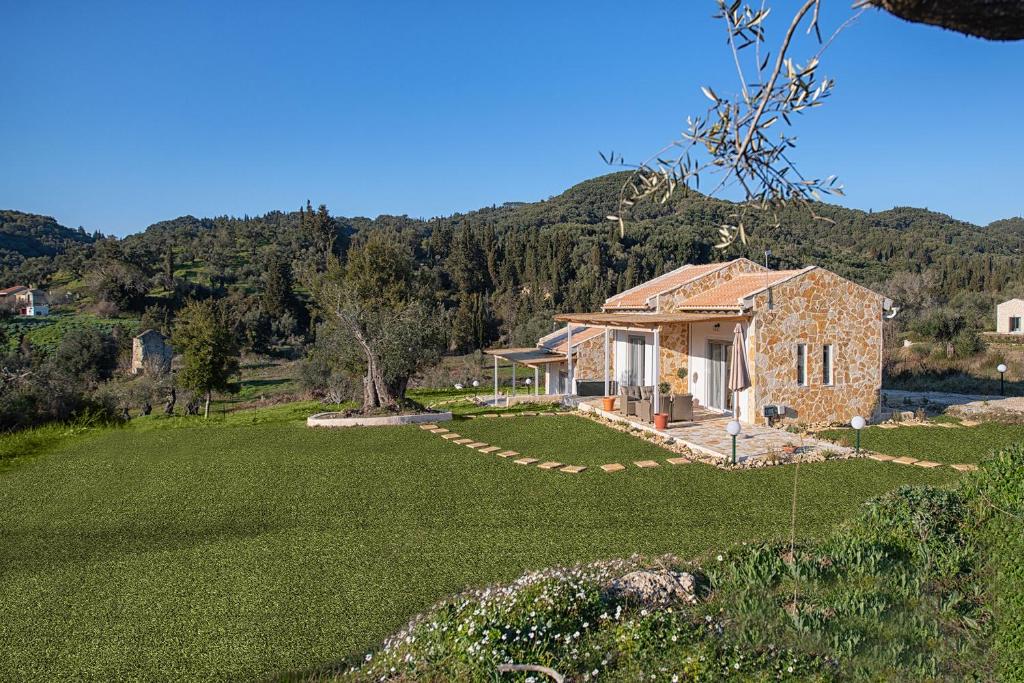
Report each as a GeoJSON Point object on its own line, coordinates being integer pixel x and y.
{"type": "Point", "coordinates": [655, 587]}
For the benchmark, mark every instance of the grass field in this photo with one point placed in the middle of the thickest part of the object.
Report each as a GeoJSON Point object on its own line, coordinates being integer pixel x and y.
{"type": "Point", "coordinates": [253, 546]}
{"type": "Point", "coordinates": [941, 444]}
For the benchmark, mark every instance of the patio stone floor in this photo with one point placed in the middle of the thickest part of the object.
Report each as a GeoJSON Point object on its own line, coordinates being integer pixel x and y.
{"type": "Point", "coordinates": [707, 435]}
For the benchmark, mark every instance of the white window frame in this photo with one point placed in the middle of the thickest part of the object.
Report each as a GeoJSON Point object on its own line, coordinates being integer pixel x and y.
{"type": "Point", "coordinates": [801, 365]}
{"type": "Point", "coordinates": [1014, 323]}
{"type": "Point", "coordinates": [828, 365]}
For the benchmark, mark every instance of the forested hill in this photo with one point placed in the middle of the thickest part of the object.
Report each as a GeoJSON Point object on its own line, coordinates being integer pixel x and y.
{"type": "Point", "coordinates": [27, 235]}
{"type": "Point", "coordinates": [503, 270]}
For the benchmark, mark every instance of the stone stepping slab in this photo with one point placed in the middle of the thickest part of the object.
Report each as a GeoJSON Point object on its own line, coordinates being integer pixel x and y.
{"type": "Point", "coordinates": [880, 457]}
{"type": "Point", "coordinates": [964, 467]}
{"type": "Point", "coordinates": [525, 461]}
{"type": "Point", "coordinates": [928, 464]}
{"type": "Point", "coordinates": [463, 441]}
{"type": "Point", "coordinates": [452, 435]}
{"type": "Point", "coordinates": [510, 414]}
{"type": "Point", "coordinates": [904, 460]}
{"type": "Point", "coordinates": [438, 430]}
{"type": "Point", "coordinates": [613, 467]}
{"type": "Point", "coordinates": [572, 469]}
{"type": "Point", "coordinates": [507, 454]}
{"type": "Point", "coordinates": [428, 427]}
{"type": "Point", "coordinates": [490, 449]}
{"type": "Point", "coordinates": [677, 461]}
{"type": "Point", "coordinates": [646, 464]}
{"type": "Point", "coordinates": [475, 444]}
{"type": "Point", "coordinates": [549, 465]}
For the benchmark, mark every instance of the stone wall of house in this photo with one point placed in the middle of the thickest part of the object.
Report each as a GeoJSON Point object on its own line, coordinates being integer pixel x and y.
{"type": "Point", "coordinates": [675, 345]}
{"type": "Point", "coordinates": [670, 301]}
{"type": "Point", "coordinates": [818, 308]}
{"type": "Point", "coordinates": [1006, 310]}
{"type": "Point", "coordinates": [590, 356]}
{"type": "Point", "coordinates": [150, 349]}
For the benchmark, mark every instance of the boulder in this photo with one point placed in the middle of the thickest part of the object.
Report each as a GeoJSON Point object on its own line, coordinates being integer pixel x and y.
{"type": "Point", "coordinates": [654, 587]}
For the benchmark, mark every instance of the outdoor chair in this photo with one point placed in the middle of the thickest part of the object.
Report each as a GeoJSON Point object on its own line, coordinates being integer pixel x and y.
{"type": "Point", "coordinates": [629, 396]}
{"type": "Point", "coordinates": [681, 408]}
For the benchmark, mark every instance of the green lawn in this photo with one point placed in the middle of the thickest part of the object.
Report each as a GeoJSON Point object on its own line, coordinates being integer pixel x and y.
{"type": "Point", "coordinates": [941, 444]}
{"type": "Point", "coordinates": [569, 439]}
{"type": "Point", "coordinates": [250, 547]}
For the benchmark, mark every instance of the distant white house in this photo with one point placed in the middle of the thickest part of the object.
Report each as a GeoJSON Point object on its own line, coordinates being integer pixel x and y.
{"type": "Point", "coordinates": [1009, 317]}
{"type": "Point", "coordinates": [32, 302]}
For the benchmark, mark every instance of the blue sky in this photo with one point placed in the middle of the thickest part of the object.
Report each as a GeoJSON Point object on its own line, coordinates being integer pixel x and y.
{"type": "Point", "coordinates": [117, 115]}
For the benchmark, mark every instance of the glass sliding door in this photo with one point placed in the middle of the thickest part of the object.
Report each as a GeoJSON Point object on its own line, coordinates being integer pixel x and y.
{"type": "Point", "coordinates": [635, 361]}
{"type": "Point", "coordinates": [719, 362]}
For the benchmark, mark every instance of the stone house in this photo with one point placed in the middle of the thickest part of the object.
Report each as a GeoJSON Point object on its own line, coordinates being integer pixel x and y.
{"type": "Point", "coordinates": [812, 342]}
{"type": "Point", "coordinates": [1009, 317]}
{"type": "Point", "coordinates": [150, 350]}
{"type": "Point", "coordinates": [32, 302]}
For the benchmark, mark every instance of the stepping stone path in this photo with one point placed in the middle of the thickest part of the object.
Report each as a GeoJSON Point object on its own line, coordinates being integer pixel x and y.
{"type": "Point", "coordinates": [645, 464]}
{"type": "Point", "coordinates": [438, 430]}
{"type": "Point", "coordinates": [428, 426]}
{"type": "Point", "coordinates": [507, 454]}
{"type": "Point", "coordinates": [904, 460]}
{"type": "Point", "coordinates": [550, 465]}
{"type": "Point", "coordinates": [677, 461]}
{"type": "Point", "coordinates": [490, 449]}
{"type": "Point", "coordinates": [525, 461]}
{"type": "Point", "coordinates": [881, 457]}
{"type": "Point", "coordinates": [572, 469]}
{"type": "Point", "coordinates": [463, 441]}
{"type": "Point", "coordinates": [452, 435]}
{"type": "Point", "coordinates": [474, 444]}
{"type": "Point", "coordinates": [613, 467]}
{"type": "Point", "coordinates": [965, 467]}
{"type": "Point", "coordinates": [928, 464]}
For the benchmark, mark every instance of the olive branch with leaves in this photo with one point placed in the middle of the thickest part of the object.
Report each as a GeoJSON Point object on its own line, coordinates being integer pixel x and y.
{"type": "Point", "coordinates": [734, 139]}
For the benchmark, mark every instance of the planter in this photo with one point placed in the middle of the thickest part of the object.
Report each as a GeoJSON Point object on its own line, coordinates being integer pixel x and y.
{"type": "Point", "coordinates": [339, 420]}
{"type": "Point", "coordinates": [661, 421]}
{"type": "Point", "coordinates": [789, 449]}
{"type": "Point", "coordinates": [608, 403]}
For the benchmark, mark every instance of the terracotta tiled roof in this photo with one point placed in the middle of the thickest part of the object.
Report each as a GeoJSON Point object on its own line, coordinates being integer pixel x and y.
{"type": "Point", "coordinates": [637, 296]}
{"type": "Point", "coordinates": [557, 340]}
{"type": "Point", "coordinates": [12, 290]}
{"type": "Point", "coordinates": [729, 294]}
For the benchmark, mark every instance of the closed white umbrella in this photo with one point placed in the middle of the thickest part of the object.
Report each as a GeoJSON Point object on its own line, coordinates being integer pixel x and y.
{"type": "Point", "coordinates": [739, 377]}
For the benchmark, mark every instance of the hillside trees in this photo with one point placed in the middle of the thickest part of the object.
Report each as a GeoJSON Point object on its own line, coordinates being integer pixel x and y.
{"type": "Point", "coordinates": [204, 335]}
{"type": "Point", "coordinates": [375, 304]}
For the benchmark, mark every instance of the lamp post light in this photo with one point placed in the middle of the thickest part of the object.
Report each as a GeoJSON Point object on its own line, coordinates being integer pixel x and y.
{"type": "Point", "coordinates": [733, 429]}
{"type": "Point", "coordinates": [1001, 368]}
{"type": "Point", "coordinates": [858, 423]}
{"type": "Point", "coordinates": [476, 384]}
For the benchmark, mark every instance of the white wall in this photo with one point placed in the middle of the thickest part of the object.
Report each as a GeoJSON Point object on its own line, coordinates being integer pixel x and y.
{"type": "Point", "coordinates": [1006, 310]}
{"type": "Point", "coordinates": [700, 335]}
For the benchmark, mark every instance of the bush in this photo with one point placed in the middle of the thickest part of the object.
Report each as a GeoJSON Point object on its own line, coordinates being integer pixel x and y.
{"type": "Point", "coordinates": [967, 343]}
{"type": "Point", "coordinates": [997, 493]}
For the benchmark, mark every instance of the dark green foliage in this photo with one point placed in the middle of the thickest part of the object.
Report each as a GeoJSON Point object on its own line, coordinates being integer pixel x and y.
{"type": "Point", "coordinates": [86, 354]}
{"type": "Point", "coordinates": [25, 236]}
{"type": "Point", "coordinates": [997, 494]}
{"type": "Point", "coordinates": [521, 262]}
{"type": "Point", "coordinates": [204, 335]}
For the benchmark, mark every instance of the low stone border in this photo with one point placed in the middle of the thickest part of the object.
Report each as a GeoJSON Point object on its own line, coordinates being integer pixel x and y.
{"type": "Point", "coordinates": [336, 420]}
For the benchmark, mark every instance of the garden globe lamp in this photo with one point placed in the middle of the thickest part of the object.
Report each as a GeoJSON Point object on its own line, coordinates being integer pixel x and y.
{"type": "Point", "coordinates": [1001, 368]}
{"type": "Point", "coordinates": [476, 383]}
{"type": "Point", "coordinates": [858, 423]}
{"type": "Point", "coordinates": [733, 430]}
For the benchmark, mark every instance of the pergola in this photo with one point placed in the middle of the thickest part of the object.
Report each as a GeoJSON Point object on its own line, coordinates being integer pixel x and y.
{"type": "Point", "coordinates": [533, 357]}
{"type": "Point", "coordinates": [641, 322]}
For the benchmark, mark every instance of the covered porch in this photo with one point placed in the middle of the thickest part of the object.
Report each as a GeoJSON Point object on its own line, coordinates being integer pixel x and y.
{"type": "Point", "coordinates": [689, 353]}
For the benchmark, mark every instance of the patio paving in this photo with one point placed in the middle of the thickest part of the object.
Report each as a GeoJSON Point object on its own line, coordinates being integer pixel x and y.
{"type": "Point", "coordinates": [707, 435]}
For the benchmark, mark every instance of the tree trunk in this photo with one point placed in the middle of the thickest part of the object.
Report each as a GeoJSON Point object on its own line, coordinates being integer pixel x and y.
{"type": "Point", "coordinates": [990, 19]}
{"type": "Point", "coordinates": [206, 409]}
{"type": "Point", "coordinates": [171, 400]}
